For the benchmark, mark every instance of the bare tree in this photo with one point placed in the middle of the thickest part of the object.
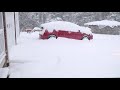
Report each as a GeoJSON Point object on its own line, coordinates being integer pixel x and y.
{"type": "Point", "coordinates": [32, 19]}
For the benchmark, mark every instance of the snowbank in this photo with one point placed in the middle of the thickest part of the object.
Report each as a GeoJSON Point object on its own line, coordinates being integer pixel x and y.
{"type": "Point", "coordinates": [104, 23]}
{"type": "Point", "coordinates": [36, 28]}
{"type": "Point", "coordinates": [63, 25]}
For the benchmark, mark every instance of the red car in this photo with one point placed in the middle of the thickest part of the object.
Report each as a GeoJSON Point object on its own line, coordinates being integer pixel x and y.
{"type": "Point", "coordinates": [67, 34]}
{"type": "Point", "coordinates": [64, 33]}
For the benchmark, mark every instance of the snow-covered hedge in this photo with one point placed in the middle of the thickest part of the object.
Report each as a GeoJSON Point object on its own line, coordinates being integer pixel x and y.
{"type": "Point", "coordinates": [66, 26]}
{"type": "Point", "coordinates": [104, 23]}
{"type": "Point", "coordinates": [105, 27]}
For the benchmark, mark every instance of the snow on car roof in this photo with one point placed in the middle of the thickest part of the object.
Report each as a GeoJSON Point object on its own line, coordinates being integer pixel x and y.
{"type": "Point", "coordinates": [104, 23]}
{"type": "Point", "coordinates": [63, 25]}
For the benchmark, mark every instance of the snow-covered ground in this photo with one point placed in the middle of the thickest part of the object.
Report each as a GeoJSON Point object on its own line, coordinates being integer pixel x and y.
{"type": "Point", "coordinates": [65, 58]}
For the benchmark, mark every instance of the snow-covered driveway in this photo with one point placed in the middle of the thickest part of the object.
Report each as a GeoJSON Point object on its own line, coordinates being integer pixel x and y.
{"type": "Point", "coordinates": [65, 58]}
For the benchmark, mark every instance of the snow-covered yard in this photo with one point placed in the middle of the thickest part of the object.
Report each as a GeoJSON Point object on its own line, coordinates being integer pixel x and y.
{"type": "Point", "coordinates": [65, 58]}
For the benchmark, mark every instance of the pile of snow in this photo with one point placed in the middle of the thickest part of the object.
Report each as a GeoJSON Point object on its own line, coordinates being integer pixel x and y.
{"type": "Point", "coordinates": [104, 23]}
{"type": "Point", "coordinates": [4, 72]}
{"type": "Point", "coordinates": [66, 26]}
{"type": "Point", "coordinates": [36, 28]}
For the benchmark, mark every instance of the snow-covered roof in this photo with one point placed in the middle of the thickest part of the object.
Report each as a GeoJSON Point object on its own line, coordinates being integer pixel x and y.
{"type": "Point", "coordinates": [36, 28]}
{"type": "Point", "coordinates": [104, 23]}
{"type": "Point", "coordinates": [63, 25]}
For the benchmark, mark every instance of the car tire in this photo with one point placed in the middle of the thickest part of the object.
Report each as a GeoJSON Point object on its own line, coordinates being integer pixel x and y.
{"type": "Point", "coordinates": [50, 36]}
{"type": "Point", "coordinates": [84, 38]}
